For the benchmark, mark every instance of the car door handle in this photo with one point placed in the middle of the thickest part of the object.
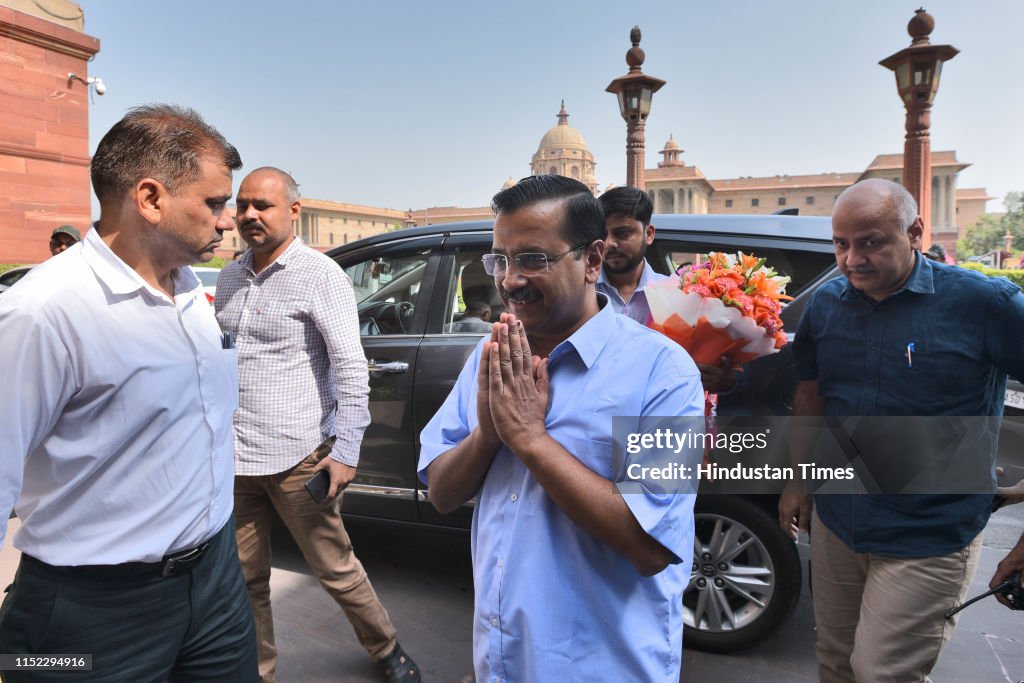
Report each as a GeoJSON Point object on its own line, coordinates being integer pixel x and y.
{"type": "Point", "coordinates": [394, 367]}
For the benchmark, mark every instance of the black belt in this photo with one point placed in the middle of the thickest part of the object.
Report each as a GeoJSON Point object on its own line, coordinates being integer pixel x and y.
{"type": "Point", "coordinates": [170, 565]}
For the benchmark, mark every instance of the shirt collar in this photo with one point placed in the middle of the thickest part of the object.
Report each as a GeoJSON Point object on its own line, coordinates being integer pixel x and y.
{"type": "Point", "coordinates": [120, 278]}
{"type": "Point", "coordinates": [590, 339]}
{"type": "Point", "coordinates": [646, 276]}
{"type": "Point", "coordinates": [921, 280]}
{"type": "Point", "coordinates": [288, 254]}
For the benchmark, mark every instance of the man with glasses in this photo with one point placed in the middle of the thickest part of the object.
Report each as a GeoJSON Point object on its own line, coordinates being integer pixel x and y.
{"type": "Point", "coordinates": [574, 580]}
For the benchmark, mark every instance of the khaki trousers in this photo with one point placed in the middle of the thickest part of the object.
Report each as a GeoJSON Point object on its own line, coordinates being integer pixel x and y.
{"type": "Point", "coordinates": [321, 536]}
{"type": "Point", "coordinates": [880, 619]}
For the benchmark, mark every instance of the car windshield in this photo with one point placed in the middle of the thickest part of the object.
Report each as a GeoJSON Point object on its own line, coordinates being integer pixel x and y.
{"type": "Point", "coordinates": [13, 276]}
{"type": "Point", "coordinates": [208, 277]}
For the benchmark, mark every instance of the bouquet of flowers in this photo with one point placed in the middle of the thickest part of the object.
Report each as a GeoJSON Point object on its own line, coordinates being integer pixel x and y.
{"type": "Point", "coordinates": [726, 306]}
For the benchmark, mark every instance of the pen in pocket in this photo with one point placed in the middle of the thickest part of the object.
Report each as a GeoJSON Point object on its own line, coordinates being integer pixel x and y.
{"type": "Point", "coordinates": [226, 342]}
{"type": "Point", "coordinates": [910, 354]}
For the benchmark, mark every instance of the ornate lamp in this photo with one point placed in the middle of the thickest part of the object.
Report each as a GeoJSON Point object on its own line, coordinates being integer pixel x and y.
{"type": "Point", "coordinates": [635, 91]}
{"type": "Point", "coordinates": [917, 70]}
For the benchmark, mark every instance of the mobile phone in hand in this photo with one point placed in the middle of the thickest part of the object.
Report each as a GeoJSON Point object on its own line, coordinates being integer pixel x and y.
{"type": "Point", "coordinates": [318, 485]}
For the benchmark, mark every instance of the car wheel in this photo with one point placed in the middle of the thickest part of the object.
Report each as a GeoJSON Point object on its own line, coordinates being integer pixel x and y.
{"type": "Point", "coordinates": [745, 578]}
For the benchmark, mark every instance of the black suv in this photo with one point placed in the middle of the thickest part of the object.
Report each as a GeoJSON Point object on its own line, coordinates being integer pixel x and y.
{"type": "Point", "coordinates": [409, 285]}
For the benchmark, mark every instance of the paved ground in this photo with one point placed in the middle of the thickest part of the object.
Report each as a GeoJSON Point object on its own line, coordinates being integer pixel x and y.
{"type": "Point", "coordinates": [425, 581]}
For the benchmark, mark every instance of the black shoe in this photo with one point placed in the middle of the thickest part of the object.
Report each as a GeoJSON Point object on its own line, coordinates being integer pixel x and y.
{"type": "Point", "coordinates": [398, 667]}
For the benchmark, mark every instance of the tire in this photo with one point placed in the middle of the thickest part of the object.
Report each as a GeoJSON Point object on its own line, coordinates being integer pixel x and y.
{"type": "Point", "coordinates": [739, 593]}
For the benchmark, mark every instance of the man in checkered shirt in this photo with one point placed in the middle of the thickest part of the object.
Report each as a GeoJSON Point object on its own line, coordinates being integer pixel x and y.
{"type": "Point", "coordinates": [291, 314]}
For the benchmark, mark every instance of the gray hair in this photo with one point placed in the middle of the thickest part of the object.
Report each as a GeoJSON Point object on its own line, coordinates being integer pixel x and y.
{"type": "Point", "coordinates": [290, 186]}
{"type": "Point", "coordinates": [160, 141]}
{"type": "Point", "coordinates": [905, 204]}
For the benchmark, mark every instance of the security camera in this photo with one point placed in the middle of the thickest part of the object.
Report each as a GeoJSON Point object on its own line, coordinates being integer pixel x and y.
{"type": "Point", "coordinates": [97, 82]}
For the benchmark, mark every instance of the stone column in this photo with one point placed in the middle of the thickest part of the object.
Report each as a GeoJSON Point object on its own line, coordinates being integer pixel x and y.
{"type": "Point", "coordinates": [943, 217]}
{"type": "Point", "coordinates": [951, 200]}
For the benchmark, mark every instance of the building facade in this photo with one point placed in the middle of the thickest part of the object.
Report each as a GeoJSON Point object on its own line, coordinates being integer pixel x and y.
{"type": "Point", "coordinates": [44, 125]}
{"type": "Point", "coordinates": [677, 187]}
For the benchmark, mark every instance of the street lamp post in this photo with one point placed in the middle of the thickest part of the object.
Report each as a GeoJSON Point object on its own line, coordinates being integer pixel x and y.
{"type": "Point", "coordinates": [634, 91]}
{"type": "Point", "coordinates": [917, 71]}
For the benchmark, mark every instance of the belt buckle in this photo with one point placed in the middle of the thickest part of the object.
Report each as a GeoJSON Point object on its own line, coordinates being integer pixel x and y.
{"type": "Point", "coordinates": [169, 568]}
{"type": "Point", "coordinates": [182, 560]}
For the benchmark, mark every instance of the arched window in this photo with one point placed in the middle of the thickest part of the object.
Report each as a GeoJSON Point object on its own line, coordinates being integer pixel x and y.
{"type": "Point", "coordinates": [553, 171]}
{"type": "Point", "coordinates": [576, 172]}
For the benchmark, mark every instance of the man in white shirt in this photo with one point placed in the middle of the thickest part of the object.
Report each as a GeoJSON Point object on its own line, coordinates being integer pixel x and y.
{"type": "Point", "coordinates": [302, 409]}
{"type": "Point", "coordinates": [116, 425]}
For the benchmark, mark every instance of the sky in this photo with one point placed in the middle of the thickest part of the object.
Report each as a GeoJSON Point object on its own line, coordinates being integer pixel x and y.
{"type": "Point", "coordinates": [411, 104]}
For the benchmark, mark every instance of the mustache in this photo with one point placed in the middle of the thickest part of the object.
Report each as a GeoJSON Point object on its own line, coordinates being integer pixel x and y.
{"type": "Point", "coordinates": [252, 224]}
{"type": "Point", "coordinates": [520, 293]}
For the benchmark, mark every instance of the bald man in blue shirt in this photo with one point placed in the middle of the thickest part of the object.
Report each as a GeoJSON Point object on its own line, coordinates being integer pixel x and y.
{"type": "Point", "coordinates": [897, 335]}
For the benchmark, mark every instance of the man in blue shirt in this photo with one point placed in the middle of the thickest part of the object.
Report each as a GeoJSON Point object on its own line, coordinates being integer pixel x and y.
{"type": "Point", "coordinates": [904, 336]}
{"type": "Point", "coordinates": [573, 580]}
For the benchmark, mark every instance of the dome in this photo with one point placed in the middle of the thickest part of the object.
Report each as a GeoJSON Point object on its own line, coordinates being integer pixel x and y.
{"type": "Point", "coordinates": [508, 183]}
{"type": "Point", "coordinates": [670, 154]}
{"type": "Point", "coordinates": [562, 136]}
{"type": "Point", "coordinates": [563, 151]}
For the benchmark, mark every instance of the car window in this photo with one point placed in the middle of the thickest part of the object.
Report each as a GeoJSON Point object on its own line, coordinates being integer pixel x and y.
{"type": "Point", "coordinates": [473, 301]}
{"type": "Point", "coordinates": [801, 265]}
{"type": "Point", "coordinates": [387, 291]}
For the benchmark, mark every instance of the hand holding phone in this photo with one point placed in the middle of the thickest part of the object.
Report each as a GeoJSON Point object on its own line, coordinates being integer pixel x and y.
{"type": "Point", "coordinates": [318, 485]}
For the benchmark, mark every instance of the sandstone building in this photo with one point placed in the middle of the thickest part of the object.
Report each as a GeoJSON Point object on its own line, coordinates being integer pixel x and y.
{"type": "Point", "coordinates": [676, 187]}
{"type": "Point", "coordinates": [44, 125]}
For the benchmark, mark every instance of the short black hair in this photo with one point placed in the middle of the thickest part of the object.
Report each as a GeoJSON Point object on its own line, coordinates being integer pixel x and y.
{"type": "Point", "coordinates": [936, 252]}
{"type": "Point", "coordinates": [628, 201]}
{"type": "Point", "coordinates": [161, 141]}
{"type": "Point", "coordinates": [583, 220]}
{"type": "Point", "coordinates": [475, 307]}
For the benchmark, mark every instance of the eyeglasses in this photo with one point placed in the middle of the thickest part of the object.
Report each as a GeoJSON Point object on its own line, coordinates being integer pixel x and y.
{"type": "Point", "coordinates": [496, 265]}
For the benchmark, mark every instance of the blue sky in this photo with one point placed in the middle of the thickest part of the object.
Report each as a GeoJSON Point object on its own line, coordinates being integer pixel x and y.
{"type": "Point", "coordinates": [411, 104]}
